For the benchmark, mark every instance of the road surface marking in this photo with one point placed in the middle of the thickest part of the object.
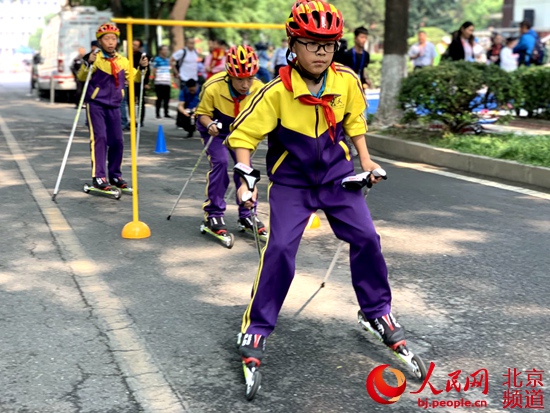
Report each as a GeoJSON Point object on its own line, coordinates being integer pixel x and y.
{"type": "Point", "coordinates": [146, 380]}
{"type": "Point", "coordinates": [438, 171]}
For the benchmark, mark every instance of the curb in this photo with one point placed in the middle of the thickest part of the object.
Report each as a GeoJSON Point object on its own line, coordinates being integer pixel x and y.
{"type": "Point", "coordinates": [474, 164]}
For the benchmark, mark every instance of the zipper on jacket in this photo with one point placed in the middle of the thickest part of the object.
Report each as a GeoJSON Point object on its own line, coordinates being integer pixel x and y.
{"type": "Point", "coordinates": [317, 142]}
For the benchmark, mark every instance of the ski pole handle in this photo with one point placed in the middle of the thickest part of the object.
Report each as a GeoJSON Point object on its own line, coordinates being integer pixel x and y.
{"type": "Point", "coordinates": [247, 196]}
{"type": "Point", "coordinates": [377, 173]}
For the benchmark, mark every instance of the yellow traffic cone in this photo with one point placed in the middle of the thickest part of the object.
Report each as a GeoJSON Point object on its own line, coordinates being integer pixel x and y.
{"type": "Point", "coordinates": [314, 222]}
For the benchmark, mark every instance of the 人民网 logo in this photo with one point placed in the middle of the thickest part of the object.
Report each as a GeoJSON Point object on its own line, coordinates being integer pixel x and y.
{"type": "Point", "coordinates": [377, 386]}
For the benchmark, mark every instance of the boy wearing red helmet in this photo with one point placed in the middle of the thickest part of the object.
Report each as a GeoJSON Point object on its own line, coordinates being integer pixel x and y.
{"type": "Point", "coordinates": [306, 113]}
{"type": "Point", "coordinates": [103, 96]}
{"type": "Point", "coordinates": [222, 98]}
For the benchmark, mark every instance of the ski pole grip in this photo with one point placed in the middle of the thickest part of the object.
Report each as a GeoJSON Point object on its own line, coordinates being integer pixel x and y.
{"type": "Point", "coordinates": [377, 173]}
{"type": "Point", "coordinates": [215, 122]}
{"type": "Point", "coordinates": [247, 196]}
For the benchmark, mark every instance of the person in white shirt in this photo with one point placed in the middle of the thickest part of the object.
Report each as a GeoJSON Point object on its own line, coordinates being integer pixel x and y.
{"type": "Point", "coordinates": [509, 60]}
{"type": "Point", "coordinates": [422, 53]}
{"type": "Point", "coordinates": [184, 63]}
{"type": "Point", "coordinates": [278, 60]}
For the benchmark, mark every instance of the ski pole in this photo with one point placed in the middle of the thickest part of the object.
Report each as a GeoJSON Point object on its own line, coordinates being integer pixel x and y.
{"type": "Point", "coordinates": [353, 183]}
{"type": "Point", "coordinates": [143, 71]}
{"type": "Point", "coordinates": [71, 137]}
{"type": "Point", "coordinates": [219, 126]}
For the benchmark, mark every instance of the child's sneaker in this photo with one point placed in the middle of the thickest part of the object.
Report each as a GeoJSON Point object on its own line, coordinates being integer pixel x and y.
{"type": "Point", "coordinates": [101, 183]}
{"type": "Point", "coordinates": [247, 224]}
{"type": "Point", "coordinates": [216, 225]}
{"type": "Point", "coordinates": [393, 335]}
{"type": "Point", "coordinates": [118, 182]}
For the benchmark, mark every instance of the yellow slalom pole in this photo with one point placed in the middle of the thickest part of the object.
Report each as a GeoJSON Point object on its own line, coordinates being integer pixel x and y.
{"type": "Point", "coordinates": [134, 229]}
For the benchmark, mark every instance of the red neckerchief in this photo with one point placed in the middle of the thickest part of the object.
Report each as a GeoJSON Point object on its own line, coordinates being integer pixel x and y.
{"type": "Point", "coordinates": [114, 69]}
{"type": "Point", "coordinates": [237, 104]}
{"type": "Point", "coordinates": [330, 117]}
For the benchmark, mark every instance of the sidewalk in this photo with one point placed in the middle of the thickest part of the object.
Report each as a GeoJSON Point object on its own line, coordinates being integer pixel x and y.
{"type": "Point", "coordinates": [522, 126]}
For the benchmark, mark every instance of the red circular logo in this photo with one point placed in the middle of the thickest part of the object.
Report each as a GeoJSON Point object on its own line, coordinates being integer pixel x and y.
{"type": "Point", "coordinates": [376, 385]}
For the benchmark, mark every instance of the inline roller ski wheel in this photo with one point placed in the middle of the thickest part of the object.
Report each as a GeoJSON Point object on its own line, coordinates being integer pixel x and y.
{"type": "Point", "coordinates": [112, 192]}
{"type": "Point", "coordinates": [414, 363]}
{"type": "Point", "coordinates": [127, 191]}
{"type": "Point", "coordinates": [227, 239]}
{"type": "Point", "coordinates": [253, 379]}
{"type": "Point", "coordinates": [243, 229]}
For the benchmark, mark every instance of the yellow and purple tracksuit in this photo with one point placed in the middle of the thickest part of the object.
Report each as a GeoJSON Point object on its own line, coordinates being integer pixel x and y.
{"type": "Point", "coordinates": [103, 97]}
{"type": "Point", "coordinates": [306, 163]}
{"type": "Point", "coordinates": [219, 101]}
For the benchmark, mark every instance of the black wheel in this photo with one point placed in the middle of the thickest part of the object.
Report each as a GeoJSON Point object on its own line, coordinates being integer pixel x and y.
{"type": "Point", "coordinates": [251, 392]}
{"type": "Point", "coordinates": [421, 371]}
{"type": "Point", "coordinates": [229, 244]}
{"type": "Point", "coordinates": [117, 194]}
{"type": "Point", "coordinates": [86, 188]}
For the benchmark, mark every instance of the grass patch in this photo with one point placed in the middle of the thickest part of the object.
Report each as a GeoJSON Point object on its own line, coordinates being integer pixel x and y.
{"type": "Point", "coordinates": [526, 149]}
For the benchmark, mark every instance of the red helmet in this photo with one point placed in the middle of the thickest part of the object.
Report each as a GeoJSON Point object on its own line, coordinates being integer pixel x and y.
{"type": "Point", "coordinates": [107, 28]}
{"type": "Point", "coordinates": [241, 61]}
{"type": "Point", "coordinates": [316, 20]}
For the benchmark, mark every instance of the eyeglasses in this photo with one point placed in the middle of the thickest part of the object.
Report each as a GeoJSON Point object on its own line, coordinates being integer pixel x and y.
{"type": "Point", "coordinates": [315, 47]}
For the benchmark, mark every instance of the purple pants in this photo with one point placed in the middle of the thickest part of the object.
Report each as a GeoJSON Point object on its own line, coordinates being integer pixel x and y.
{"type": "Point", "coordinates": [351, 222]}
{"type": "Point", "coordinates": [106, 141]}
{"type": "Point", "coordinates": [217, 179]}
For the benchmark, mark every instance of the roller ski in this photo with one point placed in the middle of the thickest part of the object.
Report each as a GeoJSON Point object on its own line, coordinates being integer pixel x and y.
{"type": "Point", "coordinates": [215, 226]}
{"type": "Point", "coordinates": [388, 331]}
{"type": "Point", "coordinates": [247, 225]}
{"type": "Point", "coordinates": [252, 348]}
{"type": "Point", "coordinates": [100, 186]}
{"type": "Point", "coordinates": [122, 185]}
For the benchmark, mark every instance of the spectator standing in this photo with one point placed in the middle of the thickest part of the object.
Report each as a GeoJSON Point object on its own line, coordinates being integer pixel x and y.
{"type": "Point", "coordinates": [357, 58]}
{"type": "Point", "coordinates": [526, 44]}
{"type": "Point", "coordinates": [441, 48]}
{"type": "Point", "coordinates": [75, 67]}
{"type": "Point", "coordinates": [163, 80]}
{"type": "Point", "coordinates": [422, 53]}
{"type": "Point", "coordinates": [493, 55]}
{"type": "Point", "coordinates": [509, 60]}
{"type": "Point", "coordinates": [215, 62]}
{"type": "Point", "coordinates": [462, 45]}
{"type": "Point", "coordinates": [137, 48]}
{"type": "Point", "coordinates": [278, 60]}
{"type": "Point", "coordinates": [263, 72]}
{"type": "Point", "coordinates": [184, 63]}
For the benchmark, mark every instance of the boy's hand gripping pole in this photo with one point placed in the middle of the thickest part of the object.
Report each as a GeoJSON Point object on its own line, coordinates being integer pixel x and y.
{"type": "Point", "coordinates": [71, 137]}
{"type": "Point", "coordinates": [251, 176]}
{"type": "Point", "coordinates": [192, 173]}
{"type": "Point", "coordinates": [140, 105]}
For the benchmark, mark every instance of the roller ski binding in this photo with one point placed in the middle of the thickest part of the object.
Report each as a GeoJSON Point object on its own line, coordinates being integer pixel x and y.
{"type": "Point", "coordinates": [100, 186]}
{"type": "Point", "coordinates": [252, 348]}
{"type": "Point", "coordinates": [122, 185]}
{"type": "Point", "coordinates": [247, 225]}
{"type": "Point", "coordinates": [389, 332]}
{"type": "Point", "coordinates": [215, 226]}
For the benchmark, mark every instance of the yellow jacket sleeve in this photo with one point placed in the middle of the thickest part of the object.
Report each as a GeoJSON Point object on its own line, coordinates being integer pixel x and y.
{"type": "Point", "coordinates": [206, 102]}
{"type": "Point", "coordinates": [83, 71]}
{"type": "Point", "coordinates": [355, 123]}
{"type": "Point", "coordinates": [259, 117]}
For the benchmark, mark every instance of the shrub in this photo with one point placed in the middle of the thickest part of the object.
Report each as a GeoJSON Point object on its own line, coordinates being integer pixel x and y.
{"type": "Point", "coordinates": [535, 84]}
{"type": "Point", "coordinates": [449, 93]}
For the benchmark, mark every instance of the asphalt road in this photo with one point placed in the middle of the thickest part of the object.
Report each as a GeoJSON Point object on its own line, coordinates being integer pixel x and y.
{"type": "Point", "coordinates": [92, 322]}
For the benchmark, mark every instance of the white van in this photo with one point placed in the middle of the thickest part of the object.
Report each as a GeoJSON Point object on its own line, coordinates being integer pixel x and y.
{"type": "Point", "coordinates": [70, 29]}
